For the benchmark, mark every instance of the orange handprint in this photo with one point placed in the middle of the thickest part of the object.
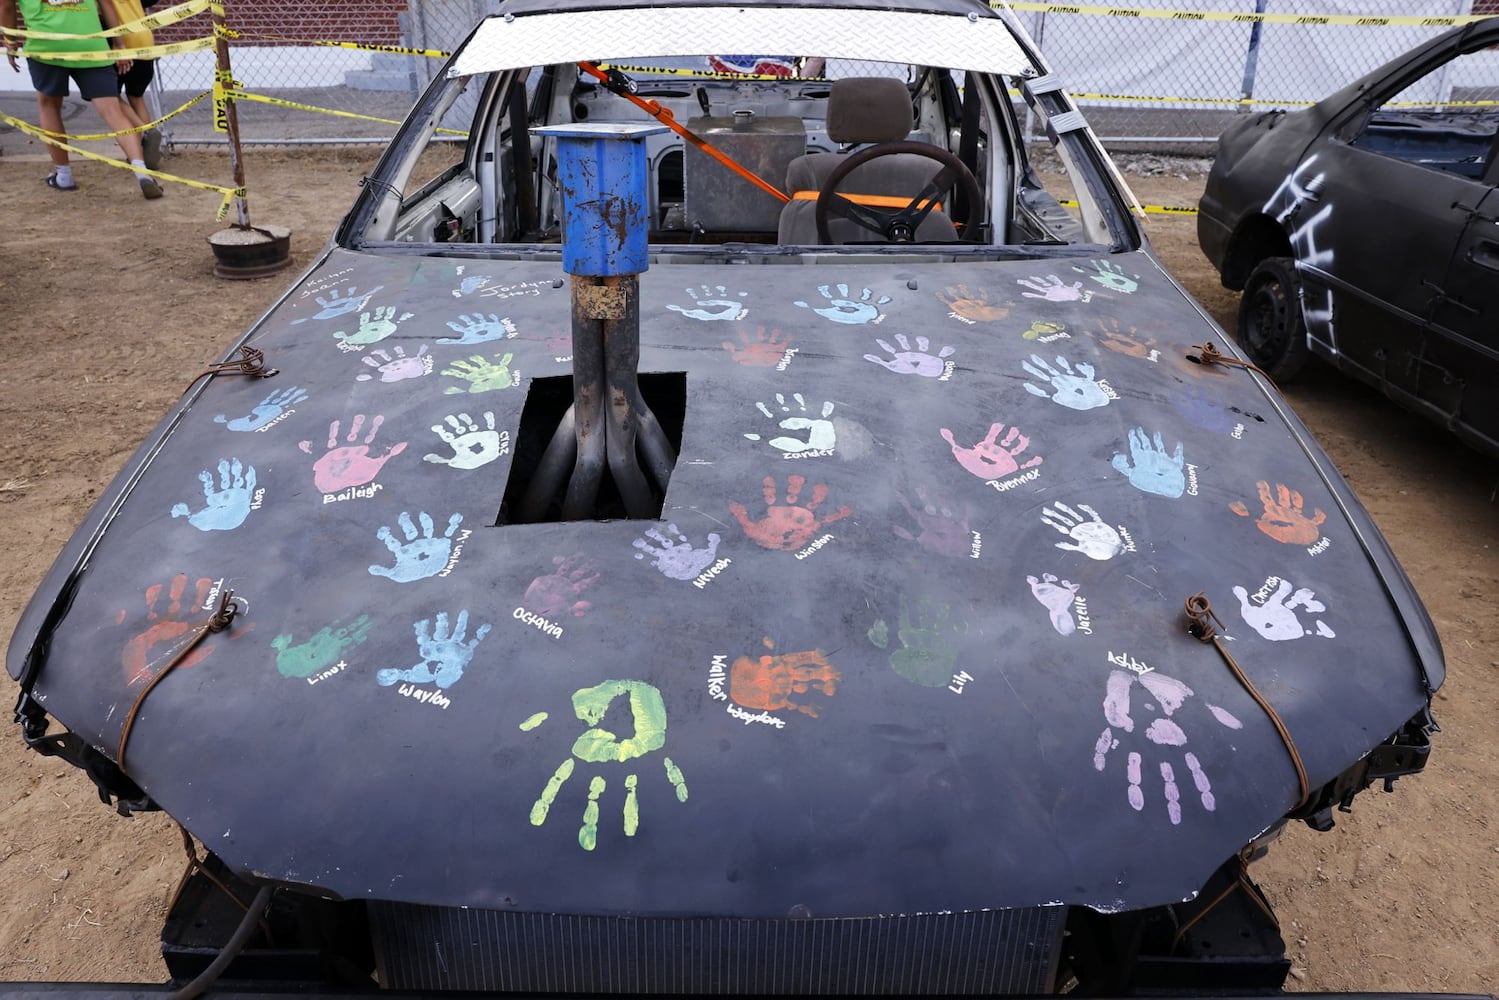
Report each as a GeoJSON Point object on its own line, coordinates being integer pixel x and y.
{"type": "Point", "coordinates": [1284, 519]}
{"type": "Point", "coordinates": [762, 350]}
{"type": "Point", "coordinates": [1111, 335]}
{"type": "Point", "coordinates": [788, 526]}
{"type": "Point", "coordinates": [973, 305]}
{"type": "Point", "coordinates": [767, 682]}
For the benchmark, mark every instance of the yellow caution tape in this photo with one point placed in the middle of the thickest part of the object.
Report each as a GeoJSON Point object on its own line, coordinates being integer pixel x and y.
{"type": "Point", "coordinates": [144, 52]}
{"type": "Point", "coordinates": [92, 136]}
{"type": "Point", "coordinates": [160, 20]}
{"type": "Point", "coordinates": [359, 46]}
{"type": "Point", "coordinates": [1150, 209]}
{"type": "Point", "coordinates": [241, 95]}
{"type": "Point", "coordinates": [1356, 20]}
{"type": "Point", "coordinates": [229, 193]}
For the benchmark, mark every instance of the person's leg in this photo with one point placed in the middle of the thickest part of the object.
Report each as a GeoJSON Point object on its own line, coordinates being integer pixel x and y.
{"type": "Point", "coordinates": [49, 113]}
{"type": "Point", "coordinates": [100, 87]}
{"type": "Point", "coordinates": [51, 85]}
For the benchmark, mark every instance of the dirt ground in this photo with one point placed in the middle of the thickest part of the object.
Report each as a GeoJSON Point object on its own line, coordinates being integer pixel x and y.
{"type": "Point", "coordinates": [110, 308]}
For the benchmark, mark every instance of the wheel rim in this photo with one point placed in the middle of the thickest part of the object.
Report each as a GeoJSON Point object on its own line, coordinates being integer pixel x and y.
{"type": "Point", "coordinates": [1267, 321]}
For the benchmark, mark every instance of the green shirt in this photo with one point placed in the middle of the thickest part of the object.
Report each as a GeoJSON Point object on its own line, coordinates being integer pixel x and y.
{"type": "Point", "coordinates": [70, 17]}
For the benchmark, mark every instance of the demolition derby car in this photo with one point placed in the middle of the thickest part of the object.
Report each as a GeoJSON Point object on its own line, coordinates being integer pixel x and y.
{"type": "Point", "coordinates": [1362, 231]}
{"type": "Point", "coordinates": [727, 523]}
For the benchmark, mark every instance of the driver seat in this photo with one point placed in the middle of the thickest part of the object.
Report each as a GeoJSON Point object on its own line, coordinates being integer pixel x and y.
{"type": "Point", "coordinates": [861, 110]}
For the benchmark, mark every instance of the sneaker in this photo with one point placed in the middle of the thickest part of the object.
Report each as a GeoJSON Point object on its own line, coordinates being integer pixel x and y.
{"type": "Point", "coordinates": [53, 183]}
{"type": "Point", "coordinates": [150, 188]}
{"type": "Point", "coordinates": [151, 149]}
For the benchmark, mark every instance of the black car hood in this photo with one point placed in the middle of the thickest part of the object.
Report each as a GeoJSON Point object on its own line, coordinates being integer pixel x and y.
{"type": "Point", "coordinates": [864, 663]}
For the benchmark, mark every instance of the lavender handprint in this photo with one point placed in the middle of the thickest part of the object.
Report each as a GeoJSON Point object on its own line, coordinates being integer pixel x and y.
{"type": "Point", "coordinates": [226, 507]}
{"type": "Point", "coordinates": [1163, 736]}
{"type": "Point", "coordinates": [1273, 616]}
{"type": "Point", "coordinates": [842, 309]}
{"type": "Point", "coordinates": [1056, 597]}
{"type": "Point", "coordinates": [677, 559]}
{"type": "Point", "coordinates": [394, 365]}
{"type": "Point", "coordinates": [267, 410]}
{"type": "Point", "coordinates": [1150, 468]}
{"type": "Point", "coordinates": [1205, 409]}
{"type": "Point", "coordinates": [421, 554]}
{"type": "Point", "coordinates": [941, 525]}
{"type": "Point", "coordinates": [1076, 390]}
{"type": "Point", "coordinates": [479, 329]}
{"type": "Point", "coordinates": [444, 652]}
{"type": "Point", "coordinates": [908, 361]}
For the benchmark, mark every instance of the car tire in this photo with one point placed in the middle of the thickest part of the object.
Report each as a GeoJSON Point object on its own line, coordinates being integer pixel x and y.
{"type": "Point", "coordinates": [1271, 329]}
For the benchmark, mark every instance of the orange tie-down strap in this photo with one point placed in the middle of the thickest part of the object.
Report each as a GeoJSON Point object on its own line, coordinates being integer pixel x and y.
{"type": "Point", "coordinates": [875, 200]}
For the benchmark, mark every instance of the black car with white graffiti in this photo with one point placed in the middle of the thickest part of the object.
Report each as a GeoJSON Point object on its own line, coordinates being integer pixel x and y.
{"type": "Point", "coordinates": [1365, 230]}
{"type": "Point", "coordinates": [729, 523]}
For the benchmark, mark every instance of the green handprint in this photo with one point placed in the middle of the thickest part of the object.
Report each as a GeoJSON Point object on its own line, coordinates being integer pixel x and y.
{"type": "Point", "coordinates": [600, 746]}
{"type": "Point", "coordinates": [319, 652]}
{"type": "Point", "coordinates": [928, 654]}
{"type": "Point", "coordinates": [373, 327]}
{"type": "Point", "coordinates": [481, 374]}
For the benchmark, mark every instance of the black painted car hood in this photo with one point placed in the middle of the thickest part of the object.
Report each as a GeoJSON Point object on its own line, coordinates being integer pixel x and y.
{"type": "Point", "coordinates": [908, 637]}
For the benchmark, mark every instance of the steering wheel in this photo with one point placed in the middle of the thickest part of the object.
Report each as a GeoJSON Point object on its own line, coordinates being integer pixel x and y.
{"type": "Point", "coordinates": [898, 226]}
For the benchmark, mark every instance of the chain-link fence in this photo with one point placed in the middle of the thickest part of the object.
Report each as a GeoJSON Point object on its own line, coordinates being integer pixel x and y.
{"type": "Point", "coordinates": [1147, 72]}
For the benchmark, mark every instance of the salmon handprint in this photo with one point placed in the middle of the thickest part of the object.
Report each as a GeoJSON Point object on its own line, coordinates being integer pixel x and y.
{"type": "Point", "coordinates": [767, 682]}
{"type": "Point", "coordinates": [761, 350]}
{"type": "Point", "coordinates": [166, 626]}
{"type": "Point", "coordinates": [973, 305]}
{"type": "Point", "coordinates": [789, 525]}
{"type": "Point", "coordinates": [1285, 518]}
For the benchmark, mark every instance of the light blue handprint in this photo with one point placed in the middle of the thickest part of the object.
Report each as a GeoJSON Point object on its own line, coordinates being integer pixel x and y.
{"type": "Point", "coordinates": [444, 653]}
{"type": "Point", "coordinates": [479, 329]}
{"type": "Point", "coordinates": [470, 285]}
{"type": "Point", "coordinates": [712, 303]}
{"type": "Point", "coordinates": [842, 309]}
{"type": "Point", "coordinates": [420, 555]}
{"type": "Point", "coordinates": [1076, 390]}
{"type": "Point", "coordinates": [1150, 468]}
{"type": "Point", "coordinates": [266, 410]}
{"type": "Point", "coordinates": [341, 303]}
{"type": "Point", "coordinates": [1110, 276]}
{"type": "Point", "coordinates": [227, 507]}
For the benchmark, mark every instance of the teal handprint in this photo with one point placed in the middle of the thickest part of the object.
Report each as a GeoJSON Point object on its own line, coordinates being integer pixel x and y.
{"type": "Point", "coordinates": [1110, 276]}
{"type": "Point", "coordinates": [928, 642]}
{"type": "Point", "coordinates": [265, 411]}
{"type": "Point", "coordinates": [320, 652]}
{"type": "Point", "coordinates": [478, 329]}
{"type": "Point", "coordinates": [373, 327]}
{"type": "Point", "coordinates": [600, 746]}
{"type": "Point", "coordinates": [481, 374]}
{"type": "Point", "coordinates": [226, 507]}
{"type": "Point", "coordinates": [444, 653]}
{"type": "Point", "coordinates": [420, 556]}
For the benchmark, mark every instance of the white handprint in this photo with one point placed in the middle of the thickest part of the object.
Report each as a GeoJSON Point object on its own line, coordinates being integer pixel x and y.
{"type": "Point", "coordinates": [1094, 538]}
{"type": "Point", "coordinates": [472, 446]}
{"type": "Point", "coordinates": [1053, 289]}
{"type": "Point", "coordinates": [1076, 391]}
{"type": "Point", "coordinates": [821, 435]}
{"type": "Point", "coordinates": [1276, 618]}
{"type": "Point", "coordinates": [1056, 597]}
{"type": "Point", "coordinates": [713, 303]}
{"type": "Point", "coordinates": [842, 309]}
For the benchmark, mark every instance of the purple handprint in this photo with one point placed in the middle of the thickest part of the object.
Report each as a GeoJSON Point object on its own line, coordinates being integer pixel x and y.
{"type": "Point", "coordinates": [990, 460]}
{"type": "Point", "coordinates": [394, 365]}
{"type": "Point", "coordinates": [1168, 696]}
{"type": "Point", "coordinates": [906, 361]}
{"type": "Point", "coordinates": [352, 464]}
{"type": "Point", "coordinates": [558, 592]}
{"type": "Point", "coordinates": [1056, 597]}
{"type": "Point", "coordinates": [1205, 409]}
{"type": "Point", "coordinates": [1054, 289]}
{"type": "Point", "coordinates": [942, 526]}
{"type": "Point", "coordinates": [676, 559]}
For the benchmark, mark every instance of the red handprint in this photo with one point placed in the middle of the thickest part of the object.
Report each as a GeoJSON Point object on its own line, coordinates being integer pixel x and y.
{"type": "Point", "coordinates": [1284, 519]}
{"type": "Point", "coordinates": [767, 682]}
{"type": "Point", "coordinates": [165, 628]}
{"type": "Point", "coordinates": [790, 526]}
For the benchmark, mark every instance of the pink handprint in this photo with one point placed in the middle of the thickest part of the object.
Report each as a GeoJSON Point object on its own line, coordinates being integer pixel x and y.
{"type": "Point", "coordinates": [990, 460]}
{"type": "Point", "coordinates": [352, 464]}
{"type": "Point", "coordinates": [763, 349]}
{"type": "Point", "coordinates": [558, 592]}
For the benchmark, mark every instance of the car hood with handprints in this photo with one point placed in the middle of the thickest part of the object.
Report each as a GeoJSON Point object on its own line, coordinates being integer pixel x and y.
{"type": "Point", "coordinates": [915, 601]}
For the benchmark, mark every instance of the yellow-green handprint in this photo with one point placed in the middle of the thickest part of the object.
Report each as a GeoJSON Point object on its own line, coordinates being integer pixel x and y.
{"type": "Point", "coordinates": [600, 746]}
{"type": "Point", "coordinates": [481, 374]}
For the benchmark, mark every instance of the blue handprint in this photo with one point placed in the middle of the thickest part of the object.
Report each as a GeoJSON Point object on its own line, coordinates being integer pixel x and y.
{"type": "Point", "coordinates": [479, 329]}
{"type": "Point", "coordinates": [842, 309]}
{"type": "Point", "coordinates": [444, 653]}
{"type": "Point", "coordinates": [417, 557]}
{"type": "Point", "coordinates": [1150, 468]}
{"type": "Point", "coordinates": [341, 303]}
{"type": "Point", "coordinates": [266, 410]}
{"type": "Point", "coordinates": [227, 507]}
{"type": "Point", "coordinates": [470, 285]}
{"type": "Point", "coordinates": [1074, 390]}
